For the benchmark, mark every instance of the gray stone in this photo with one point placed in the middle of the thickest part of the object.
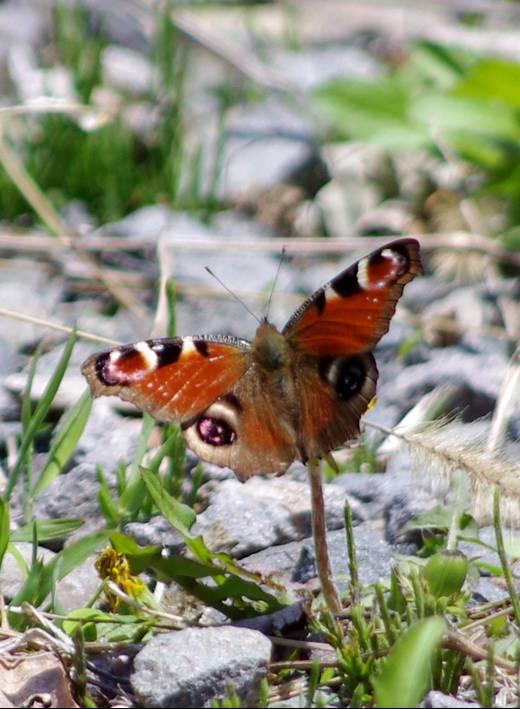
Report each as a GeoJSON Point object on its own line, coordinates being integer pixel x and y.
{"type": "Point", "coordinates": [108, 439]}
{"type": "Point", "coordinates": [243, 518]}
{"type": "Point", "coordinates": [24, 22]}
{"type": "Point", "coordinates": [38, 297]}
{"type": "Point", "coordinates": [192, 667]}
{"type": "Point", "coordinates": [306, 69]}
{"type": "Point", "coordinates": [126, 69]}
{"type": "Point", "coordinates": [439, 700]}
{"type": "Point", "coordinates": [157, 531]}
{"type": "Point", "coordinates": [453, 364]}
{"type": "Point", "coordinates": [483, 552]}
{"type": "Point", "coordinates": [294, 563]}
{"type": "Point", "coordinates": [490, 590]}
{"type": "Point", "coordinates": [73, 494]}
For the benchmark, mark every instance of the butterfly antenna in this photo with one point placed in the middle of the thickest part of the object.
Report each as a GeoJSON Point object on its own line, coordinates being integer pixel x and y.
{"type": "Point", "coordinates": [282, 257]}
{"type": "Point", "coordinates": [234, 295]}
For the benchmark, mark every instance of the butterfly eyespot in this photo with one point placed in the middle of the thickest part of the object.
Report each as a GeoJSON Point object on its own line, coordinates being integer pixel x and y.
{"type": "Point", "coordinates": [346, 374]}
{"type": "Point", "coordinates": [350, 378]}
{"type": "Point", "coordinates": [215, 432]}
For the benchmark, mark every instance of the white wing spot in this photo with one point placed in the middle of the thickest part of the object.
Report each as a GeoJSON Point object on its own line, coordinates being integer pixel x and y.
{"type": "Point", "coordinates": [149, 356]}
{"type": "Point", "coordinates": [187, 345]}
{"type": "Point", "coordinates": [362, 273]}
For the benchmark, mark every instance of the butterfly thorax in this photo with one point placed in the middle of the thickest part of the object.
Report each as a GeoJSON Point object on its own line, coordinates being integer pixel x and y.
{"type": "Point", "coordinates": [270, 348]}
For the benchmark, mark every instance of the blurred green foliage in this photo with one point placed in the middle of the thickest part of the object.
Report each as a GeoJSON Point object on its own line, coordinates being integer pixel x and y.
{"type": "Point", "coordinates": [446, 100]}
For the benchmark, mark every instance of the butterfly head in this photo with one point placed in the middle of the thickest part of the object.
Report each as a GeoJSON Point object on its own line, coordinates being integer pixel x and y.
{"type": "Point", "coordinates": [270, 348]}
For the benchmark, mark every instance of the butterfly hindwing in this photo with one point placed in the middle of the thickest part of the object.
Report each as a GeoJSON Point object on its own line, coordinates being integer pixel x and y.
{"type": "Point", "coordinates": [352, 312]}
{"type": "Point", "coordinates": [250, 429]}
{"type": "Point", "coordinates": [173, 379]}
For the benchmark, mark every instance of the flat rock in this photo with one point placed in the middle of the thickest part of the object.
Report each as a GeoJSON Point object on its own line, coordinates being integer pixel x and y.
{"type": "Point", "coordinates": [74, 494]}
{"type": "Point", "coordinates": [295, 563]}
{"type": "Point", "coordinates": [192, 667]}
{"type": "Point", "coordinates": [243, 518]}
{"type": "Point", "coordinates": [446, 701]}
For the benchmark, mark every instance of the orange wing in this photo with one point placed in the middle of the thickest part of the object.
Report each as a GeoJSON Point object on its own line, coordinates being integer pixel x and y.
{"type": "Point", "coordinates": [351, 313]}
{"type": "Point", "coordinates": [173, 379]}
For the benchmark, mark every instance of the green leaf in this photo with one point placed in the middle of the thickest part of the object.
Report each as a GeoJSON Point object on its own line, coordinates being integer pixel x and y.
{"type": "Point", "coordinates": [4, 528]}
{"type": "Point", "coordinates": [40, 413]}
{"type": "Point", "coordinates": [377, 111]}
{"type": "Point", "coordinates": [46, 529]}
{"type": "Point", "coordinates": [180, 516]}
{"type": "Point", "coordinates": [445, 573]}
{"type": "Point", "coordinates": [493, 78]}
{"type": "Point", "coordinates": [440, 65]}
{"type": "Point", "coordinates": [407, 673]}
{"type": "Point", "coordinates": [452, 115]}
{"type": "Point", "coordinates": [93, 616]}
{"type": "Point", "coordinates": [65, 441]}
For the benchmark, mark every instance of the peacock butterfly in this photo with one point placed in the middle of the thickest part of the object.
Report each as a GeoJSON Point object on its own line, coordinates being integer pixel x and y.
{"type": "Point", "coordinates": [258, 406]}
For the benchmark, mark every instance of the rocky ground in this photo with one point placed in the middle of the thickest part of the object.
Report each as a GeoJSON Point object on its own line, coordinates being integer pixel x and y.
{"type": "Point", "coordinates": [280, 180]}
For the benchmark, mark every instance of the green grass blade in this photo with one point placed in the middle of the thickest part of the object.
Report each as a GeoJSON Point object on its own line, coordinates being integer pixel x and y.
{"type": "Point", "coordinates": [4, 528]}
{"type": "Point", "coordinates": [406, 674]}
{"type": "Point", "coordinates": [39, 414]}
{"type": "Point", "coordinates": [171, 298]}
{"type": "Point", "coordinates": [46, 530]}
{"type": "Point", "coordinates": [65, 442]}
{"type": "Point", "coordinates": [110, 509]}
{"type": "Point", "coordinates": [134, 494]}
{"type": "Point", "coordinates": [43, 577]}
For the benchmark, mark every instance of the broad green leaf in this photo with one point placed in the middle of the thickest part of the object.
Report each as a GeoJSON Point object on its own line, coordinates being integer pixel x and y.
{"type": "Point", "coordinates": [439, 64]}
{"type": "Point", "coordinates": [46, 529]}
{"type": "Point", "coordinates": [180, 516]}
{"type": "Point", "coordinates": [445, 572]}
{"type": "Point", "coordinates": [448, 114]}
{"type": "Point", "coordinates": [406, 675]}
{"type": "Point", "coordinates": [40, 413]}
{"type": "Point", "coordinates": [95, 622]}
{"type": "Point", "coordinates": [4, 528]}
{"type": "Point", "coordinates": [361, 109]}
{"type": "Point", "coordinates": [493, 78]}
{"type": "Point", "coordinates": [142, 558]}
{"type": "Point", "coordinates": [65, 442]}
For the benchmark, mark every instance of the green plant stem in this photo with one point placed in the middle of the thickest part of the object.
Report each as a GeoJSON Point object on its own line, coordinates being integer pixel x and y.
{"type": "Point", "coordinates": [319, 533]}
{"type": "Point", "coordinates": [351, 549]}
{"type": "Point", "coordinates": [506, 569]}
{"type": "Point", "coordinates": [453, 532]}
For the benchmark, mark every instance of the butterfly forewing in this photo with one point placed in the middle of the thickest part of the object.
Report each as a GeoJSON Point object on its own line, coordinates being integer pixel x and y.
{"type": "Point", "coordinates": [172, 378]}
{"type": "Point", "coordinates": [351, 313]}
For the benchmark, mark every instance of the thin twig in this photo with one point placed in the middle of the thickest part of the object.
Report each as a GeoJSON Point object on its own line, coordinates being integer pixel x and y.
{"type": "Point", "coordinates": [455, 241]}
{"type": "Point", "coordinates": [40, 322]}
